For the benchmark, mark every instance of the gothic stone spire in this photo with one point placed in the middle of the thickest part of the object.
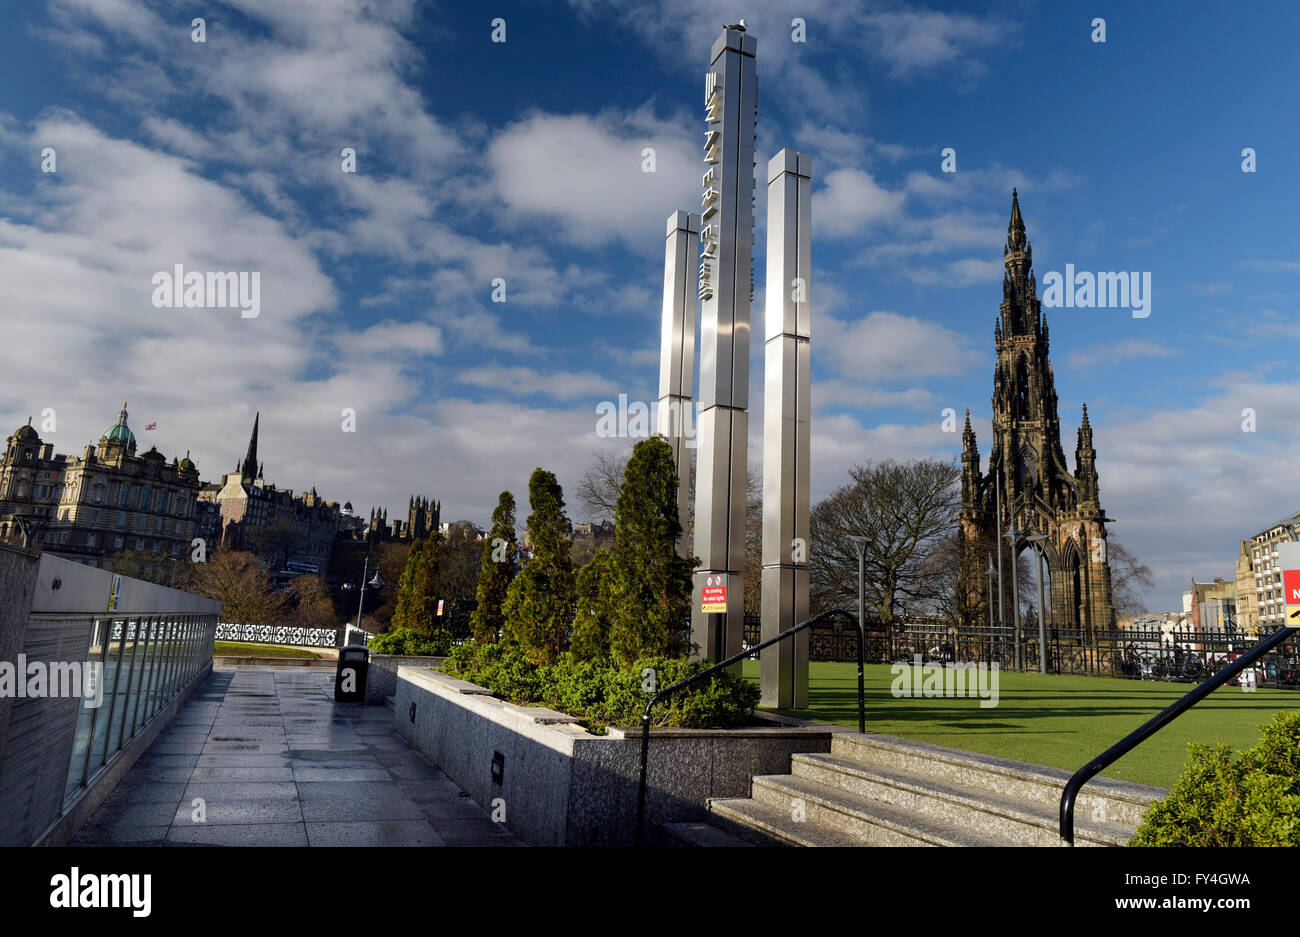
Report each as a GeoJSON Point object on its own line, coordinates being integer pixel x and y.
{"type": "Point", "coordinates": [249, 468]}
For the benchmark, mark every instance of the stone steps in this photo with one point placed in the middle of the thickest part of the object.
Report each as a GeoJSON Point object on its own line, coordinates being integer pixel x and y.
{"type": "Point", "coordinates": [1007, 819]}
{"type": "Point", "coordinates": [1103, 800]}
{"type": "Point", "coordinates": [874, 790]}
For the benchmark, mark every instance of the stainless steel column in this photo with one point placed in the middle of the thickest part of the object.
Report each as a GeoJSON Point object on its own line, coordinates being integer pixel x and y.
{"type": "Point", "coordinates": [786, 423]}
{"type": "Point", "coordinates": [726, 289]}
{"type": "Point", "coordinates": [677, 354]}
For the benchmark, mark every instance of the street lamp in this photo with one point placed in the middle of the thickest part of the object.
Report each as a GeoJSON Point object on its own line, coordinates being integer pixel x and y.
{"type": "Point", "coordinates": [375, 583]}
{"type": "Point", "coordinates": [1015, 588]}
{"type": "Point", "coordinates": [862, 603]}
{"type": "Point", "coordinates": [989, 612]}
{"type": "Point", "coordinates": [1037, 540]}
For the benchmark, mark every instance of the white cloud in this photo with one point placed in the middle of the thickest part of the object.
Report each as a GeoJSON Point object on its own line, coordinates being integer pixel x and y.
{"type": "Point", "coordinates": [584, 173]}
{"type": "Point", "coordinates": [850, 200]}
{"type": "Point", "coordinates": [912, 41]}
{"type": "Point", "coordinates": [1115, 352]}
{"type": "Point", "coordinates": [886, 346]}
{"type": "Point", "coordinates": [527, 382]}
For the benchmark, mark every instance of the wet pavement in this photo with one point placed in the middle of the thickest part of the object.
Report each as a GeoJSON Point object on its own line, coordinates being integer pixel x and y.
{"type": "Point", "coordinates": [263, 756]}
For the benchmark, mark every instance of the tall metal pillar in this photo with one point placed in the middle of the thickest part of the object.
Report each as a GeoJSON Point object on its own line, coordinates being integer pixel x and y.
{"type": "Point", "coordinates": [726, 290]}
{"type": "Point", "coordinates": [677, 354]}
{"type": "Point", "coordinates": [786, 423]}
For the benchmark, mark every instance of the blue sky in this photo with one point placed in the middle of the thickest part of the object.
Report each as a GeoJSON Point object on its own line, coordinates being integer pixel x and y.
{"type": "Point", "coordinates": [522, 160]}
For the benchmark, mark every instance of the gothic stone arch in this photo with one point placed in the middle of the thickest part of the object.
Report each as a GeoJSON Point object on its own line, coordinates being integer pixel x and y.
{"type": "Point", "coordinates": [1029, 462]}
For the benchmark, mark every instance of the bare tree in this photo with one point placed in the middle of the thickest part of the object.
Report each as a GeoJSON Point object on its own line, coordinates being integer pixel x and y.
{"type": "Point", "coordinates": [597, 490]}
{"type": "Point", "coordinates": [239, 581]}
{"type": "Point", "coordinates": [459, 559]}
{"type": "Point", "coordinates": [905, 511]}
{"type": "Point", "coordinates": [312, 605]}
{"type": "Point", "coordinates": [1128, 579]}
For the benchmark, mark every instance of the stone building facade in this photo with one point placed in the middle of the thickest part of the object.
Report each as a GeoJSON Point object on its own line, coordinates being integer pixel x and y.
{"type": "Point", "coordinates": [1037, 487]}
{"type": "Point", "coordinates": [1260, 601]}
{"type": "Point", "coordinates": [107, 500]}
{"type": "Point", "coordinates": [293, 533]}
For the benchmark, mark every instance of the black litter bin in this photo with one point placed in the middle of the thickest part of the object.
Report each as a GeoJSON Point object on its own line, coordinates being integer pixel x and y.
{"type": "Point", "coordinates": [350, 675]}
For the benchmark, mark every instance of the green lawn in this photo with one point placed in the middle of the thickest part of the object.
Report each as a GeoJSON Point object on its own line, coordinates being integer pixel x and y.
{"type": "Point", "coordinates": [239, 649]}
{"type": "Point", "coordinates": [1062, 721]}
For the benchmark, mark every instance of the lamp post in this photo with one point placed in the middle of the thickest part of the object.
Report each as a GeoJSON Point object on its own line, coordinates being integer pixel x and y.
{"type": "Point", "coordinates": [862, 602]}
{"type": "Point", "coordinates": [997, 518]}
{"type": "Point", "coordinates": [1015, 587]}
{"type": "Point", "coordinates": [375, 583]}
{"type": "Point", "coordinates": [1037, 540]}
{"type": "Point", "coordinates": [989, 608]}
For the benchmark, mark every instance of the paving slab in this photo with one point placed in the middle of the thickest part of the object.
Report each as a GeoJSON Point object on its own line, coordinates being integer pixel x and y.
{"type": "Point", "coordinates": [274, 761]}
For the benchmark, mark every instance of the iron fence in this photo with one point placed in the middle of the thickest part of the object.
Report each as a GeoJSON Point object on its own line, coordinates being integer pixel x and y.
{"type": "Point", "coordinates": [1127, 653]}
{"type": "Point", "coordinates": [287, 635]}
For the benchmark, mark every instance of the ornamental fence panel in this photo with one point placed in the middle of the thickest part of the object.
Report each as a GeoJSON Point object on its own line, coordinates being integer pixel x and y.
{"type": "Point", "coordinates": [1138, 654]}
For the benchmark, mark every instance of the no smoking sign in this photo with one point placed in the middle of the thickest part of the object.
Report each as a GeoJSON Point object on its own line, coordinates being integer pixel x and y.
{"type": "Point", "coordinates": [713, 594]}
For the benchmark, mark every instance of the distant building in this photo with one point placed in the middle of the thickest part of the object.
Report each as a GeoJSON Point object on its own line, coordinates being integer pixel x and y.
{"type": "Point", "coordinates": [294, 534]}
{"type": "Point", "coordinates": [467, 529]}
{"type": "Point", "coordinates": [1261, 588]}
{"type": "Point", "coordinates": [1170, 625]}
{"type": "Point", "coordinates": [103, 502]}
{"type": "Point", "coordinates": [422, 517]}
{"type": "Point", "coordinates": [1212, 606]}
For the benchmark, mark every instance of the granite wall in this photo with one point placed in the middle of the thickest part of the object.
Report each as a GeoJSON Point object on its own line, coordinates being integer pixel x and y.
{"type": "Point", "coordinates": [381, 682]}
{"type": "Point", "coordinates": [560, 785]}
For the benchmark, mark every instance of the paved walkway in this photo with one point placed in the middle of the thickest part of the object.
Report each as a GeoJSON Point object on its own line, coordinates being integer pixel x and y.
{"type": "Point", "coordinates": [277, 762]}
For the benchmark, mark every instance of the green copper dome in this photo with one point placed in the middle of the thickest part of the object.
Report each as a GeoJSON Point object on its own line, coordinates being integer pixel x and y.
{"type": "Point", "coordinates": [119, 431]}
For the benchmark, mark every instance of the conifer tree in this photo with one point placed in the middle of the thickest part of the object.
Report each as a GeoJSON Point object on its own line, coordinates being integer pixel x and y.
{"type": "Point", "coordinates": [594, 610]}
{"type": "Point", "coordinates": [416, 601]}
{"type": "Point", "coordinates": [500, 557]}
{"type": "Point", "coordinates": [539, 603]}
{"type": "Point", "coordinates": [649, 583]}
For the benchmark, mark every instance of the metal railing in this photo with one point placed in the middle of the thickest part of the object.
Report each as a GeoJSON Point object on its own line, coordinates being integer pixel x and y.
{"type": "Point", "coordinates": [708, 672]}
{"type": "Point", "coordinates": [1137, 737]}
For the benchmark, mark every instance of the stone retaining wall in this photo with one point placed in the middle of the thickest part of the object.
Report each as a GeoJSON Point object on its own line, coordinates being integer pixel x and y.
{"type": "Point", "coordinates": [381, 682]}
{"type": "Point", "coordinates": [561, 785]}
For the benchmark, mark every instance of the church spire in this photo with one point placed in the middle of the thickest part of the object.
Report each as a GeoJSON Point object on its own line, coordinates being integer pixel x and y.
{"type": "Point", "coordinates": [249, 468]}
{"type": "Point", "coordinates": [1016, 228]}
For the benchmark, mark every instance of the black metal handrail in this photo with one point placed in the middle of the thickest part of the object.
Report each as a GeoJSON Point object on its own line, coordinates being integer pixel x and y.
{"type": "Point", "coordinates": [735, 658]}
{"type": "Point", "coordinates": [1138, 736]}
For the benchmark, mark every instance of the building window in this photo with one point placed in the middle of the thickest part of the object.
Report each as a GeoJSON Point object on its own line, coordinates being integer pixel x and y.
{"type": "Point", "coordinates": [90, 540]}
{"type": "Point", "coordinates": [155, 546]}
{"type": "Point", "coordinates": [157, 525]}
{"type": "Point", "coordinates": [144, 499]}
{"type": "Point", "coordinates": [117, 543]}
{"type": "Point", "coordinates": [125, 494]}
{"type": "Point", "coordinates": [94, 517]}
{"type": "Point", "coordinates": [139, 543]}
{"type": "Point", "coordinates": [99, 493]}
